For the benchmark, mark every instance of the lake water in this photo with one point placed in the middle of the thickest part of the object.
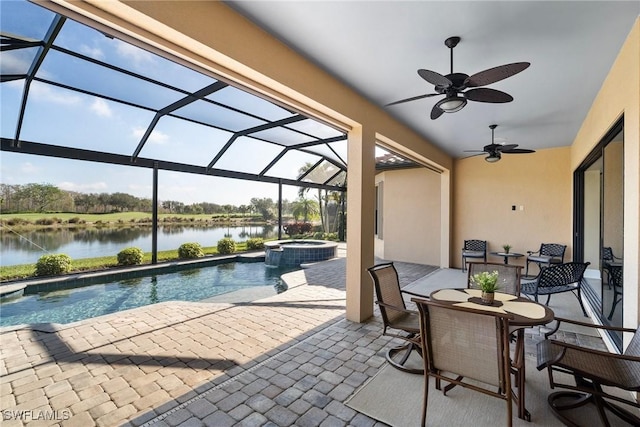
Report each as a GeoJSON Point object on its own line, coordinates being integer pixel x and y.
{"type": "Point", "coordinates": [92, 242]}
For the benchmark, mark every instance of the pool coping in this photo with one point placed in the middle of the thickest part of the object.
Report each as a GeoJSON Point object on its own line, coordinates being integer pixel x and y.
{"type": "Point", "coordinates": [8, 288]}
{"type": "Point", "coordinates": [290, 279]}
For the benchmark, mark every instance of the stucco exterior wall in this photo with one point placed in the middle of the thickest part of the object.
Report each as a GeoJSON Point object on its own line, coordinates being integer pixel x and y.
{"type": "Point", "coordinates": [537, 184]}
{"type": "Point", "coordinates": [411, 223]}
{"type": "Point", "coordinates": [620, 95]}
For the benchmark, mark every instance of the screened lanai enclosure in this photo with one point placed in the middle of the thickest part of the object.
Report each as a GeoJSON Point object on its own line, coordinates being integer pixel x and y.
{"type": "Point", "coordinates": [74, 92]}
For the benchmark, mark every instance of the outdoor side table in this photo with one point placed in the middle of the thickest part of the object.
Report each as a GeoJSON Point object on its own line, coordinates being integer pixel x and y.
{"type": "Point", "coordinates": [507, 255]}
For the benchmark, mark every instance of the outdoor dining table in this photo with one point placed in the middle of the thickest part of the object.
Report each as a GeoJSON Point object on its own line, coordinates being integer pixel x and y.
{"type": "Point", "coordinates": [526, 313]}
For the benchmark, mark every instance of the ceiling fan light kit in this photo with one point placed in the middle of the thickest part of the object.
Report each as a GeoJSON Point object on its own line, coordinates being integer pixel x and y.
{"type": "Point", "coordinates": [453, 85]}
{"type": "Point", "coordinates": [493, 157]}
{"type": "Point", "coordinates": [494, 151]}
{"type": "Point", "coordinates": [452, 104]}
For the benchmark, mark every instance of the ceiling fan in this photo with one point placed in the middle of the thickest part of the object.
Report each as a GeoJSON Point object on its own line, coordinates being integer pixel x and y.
{"type": "Point", "coordinates": [452, 85]}
{"type": "Point", "coordinates": [494, 151]}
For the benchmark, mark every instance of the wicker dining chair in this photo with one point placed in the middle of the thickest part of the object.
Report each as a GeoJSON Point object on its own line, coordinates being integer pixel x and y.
{"type": "Point", "coordinates": [556, 279]}
{"type": "Point", "coordinates": [462, 343]}
{"type": "Point", "coordinates": [608, 259]}
{"type": "Point", "coordinates": [508, 275]}
{"type": "Point", "coordinates": [473, 249]}
{"type": "Point", "coordinates": [615, 274]}
{"type": "Point", "coordinates": [549, 253]}
{"type": "Point", "coordinates": [591, 369]}
{"type": "Point", "coordinates": [397, 320]}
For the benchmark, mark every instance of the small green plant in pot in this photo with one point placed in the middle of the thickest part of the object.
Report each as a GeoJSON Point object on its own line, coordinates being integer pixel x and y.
{"type": "Point", "coordinates": [506, 248]}
{"type": "Point", "coordinates": [487, 282]}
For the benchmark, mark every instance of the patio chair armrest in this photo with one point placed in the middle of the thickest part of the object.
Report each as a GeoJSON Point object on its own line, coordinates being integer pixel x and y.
{"type": "Point", "coordinates": [566, 346]}
{"type": "Point", "coordinates": [420, 298]}
{"type": "Point", "coordinates": [532, 252]}
{"type": "Point", "coordinates": [590, 325]}
{"type": "Point", "coordinates": [415, 294]}
{"type": "Point", "coordinates": [395, 308]}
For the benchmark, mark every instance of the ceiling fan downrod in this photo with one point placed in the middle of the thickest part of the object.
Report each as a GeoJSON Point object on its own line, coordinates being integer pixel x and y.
{"type": "Point", "coordinates": [451, 42]}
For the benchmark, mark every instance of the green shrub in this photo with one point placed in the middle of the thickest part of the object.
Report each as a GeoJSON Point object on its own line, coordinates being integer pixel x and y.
{"type": "Point", "coordinates": [45, 221]}
{"type": "Point", "coordinates": [297, 228]}
{"type": "Point", "coordinates": [49, 265]}
{"type": "Point", "coordinates": [226, 246]}
{"type": "Point", "coordinates": [255, 243]}
{"type": "Point", "coordinates": [190, 250]}
{"type": "Point", "coordinates": [130, 256]}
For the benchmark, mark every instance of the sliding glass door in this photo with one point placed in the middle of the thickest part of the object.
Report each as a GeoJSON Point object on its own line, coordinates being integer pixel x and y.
{"type": "Point", "coordinates": [598, 225]}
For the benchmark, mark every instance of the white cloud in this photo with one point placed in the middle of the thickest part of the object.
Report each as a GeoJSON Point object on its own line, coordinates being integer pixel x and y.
{"type": "Point", "coordinates": [156, 137]}
{"type": "Point", "coordinates": [101, 108]}
{"type": "Point", "coordinates": [29, 168]}
{"type": "Point", "coordinates": [89, 187]}
{"type": "Point", "coordinates": [46, 93]}
{"type": "Point", "coordinates": [140, 190]}
{"type": "Point", "coordinates": [93, 52]}
{"type": "Point", "coordinates": [13, 64]}
{"type": "Point", "coordinates": [134, 54]}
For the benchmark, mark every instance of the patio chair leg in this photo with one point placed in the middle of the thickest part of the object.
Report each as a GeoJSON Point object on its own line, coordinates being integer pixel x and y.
{"type": "Point", "coordinates": [578, 295]}
{"type": "Point", "coordinates": [408, 348]}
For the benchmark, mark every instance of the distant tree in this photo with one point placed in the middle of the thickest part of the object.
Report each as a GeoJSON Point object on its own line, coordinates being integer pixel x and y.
{"type": "Point", "coordinates": [145, 205]}
{"type": "Point", "coordinates": [265, 207]}
{"type": "Point", "coordinates": [85, 202]}
{"type": "Point", "coordinates": [104, 200]}
{"type": "Point", "coordinates": [123, 202]}
{"type": "Point", "coordinates": [41, 196]}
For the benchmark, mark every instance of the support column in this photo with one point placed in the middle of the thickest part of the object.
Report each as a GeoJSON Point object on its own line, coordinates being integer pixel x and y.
{"type": "Point", "coordinates": [279, 209]}
{"type": "Point", "coordinates": [360, 223]}
{"type": "Point", "coordinates": [154, 216]}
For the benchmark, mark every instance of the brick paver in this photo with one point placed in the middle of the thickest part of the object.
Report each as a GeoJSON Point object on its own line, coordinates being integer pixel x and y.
{"type": "Point", "coordinates": [288, 359]}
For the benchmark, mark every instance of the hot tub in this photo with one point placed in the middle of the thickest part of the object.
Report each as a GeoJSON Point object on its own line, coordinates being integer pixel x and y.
{"type": "Point", "coordinates": [290, 253]}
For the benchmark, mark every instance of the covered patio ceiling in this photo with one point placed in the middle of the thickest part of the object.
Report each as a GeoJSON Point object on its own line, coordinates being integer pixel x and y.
{"type": "Point", "coordinates": [73, 92]}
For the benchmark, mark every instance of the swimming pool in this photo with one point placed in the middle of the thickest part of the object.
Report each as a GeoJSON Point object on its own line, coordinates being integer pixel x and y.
{"type": "Point", "coordinates": [78, 303]}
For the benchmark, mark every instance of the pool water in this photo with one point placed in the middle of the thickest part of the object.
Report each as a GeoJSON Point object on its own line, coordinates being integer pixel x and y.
{"type": "Point", "coordinates": [70, 305]}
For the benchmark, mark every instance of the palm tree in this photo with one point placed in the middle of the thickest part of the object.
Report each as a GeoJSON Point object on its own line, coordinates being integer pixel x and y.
{"type": "Point", "coordinates": [306, 208]}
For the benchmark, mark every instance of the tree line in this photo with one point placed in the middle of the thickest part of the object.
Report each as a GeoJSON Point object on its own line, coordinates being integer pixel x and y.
{"type": "Point", "coordinates": [47, 198]}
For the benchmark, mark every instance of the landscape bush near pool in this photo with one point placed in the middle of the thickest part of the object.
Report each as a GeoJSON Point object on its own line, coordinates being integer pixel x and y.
{"type": "Point", "coordinates": [190, 250]}
{"type": "Point", "coordinates": [130, 256]}
{"type": "Point", "coordinates": [50, 265]}
{"type": "Point", "coordinates": [255, 243]}
{"type": "Point", "coordinates": [226, 246]}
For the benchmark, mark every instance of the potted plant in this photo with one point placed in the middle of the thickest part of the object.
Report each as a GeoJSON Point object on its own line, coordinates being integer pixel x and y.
{"type": "Point", "coordinates": [506, 248]}
{"type": "Point", "coordinates": [487, 282]}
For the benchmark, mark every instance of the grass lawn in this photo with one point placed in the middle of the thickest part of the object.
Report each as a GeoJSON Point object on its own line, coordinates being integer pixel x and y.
{"type": "Point", "coordinates": [23, 271]}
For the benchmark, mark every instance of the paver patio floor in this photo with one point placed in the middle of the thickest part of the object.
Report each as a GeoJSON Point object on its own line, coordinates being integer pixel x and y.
{"type": "Point", "coordinates": [287, 359]}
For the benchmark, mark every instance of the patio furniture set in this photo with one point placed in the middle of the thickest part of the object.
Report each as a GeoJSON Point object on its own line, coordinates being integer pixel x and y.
{"type": "Point", "coordinates": [460, 338]}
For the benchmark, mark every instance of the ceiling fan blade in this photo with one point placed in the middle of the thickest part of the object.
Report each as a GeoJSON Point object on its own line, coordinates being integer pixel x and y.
{"type": "Point", "coordinates": [474, 151]}
{"type": "Point", "coordinates": [518, 151]}
{"type": "Point", "coordinates": [436, 112]}
{"type": "Point", "coordinates": [484, 94]}
{"type": "Point", "coordinates": [495, 74]}
{"type": "Point", "coordinates": [507, 147]}
{"type": "Point", "coordinates": [414, 98]}
{"type": "Point", "coordinates": [434, 78]}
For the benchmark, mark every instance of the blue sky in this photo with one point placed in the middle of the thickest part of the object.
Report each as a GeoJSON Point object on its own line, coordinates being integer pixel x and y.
{"type": "Point", "coordinates": [60, 116]}
{"type": "Point", "coordinates": [85, 177]}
